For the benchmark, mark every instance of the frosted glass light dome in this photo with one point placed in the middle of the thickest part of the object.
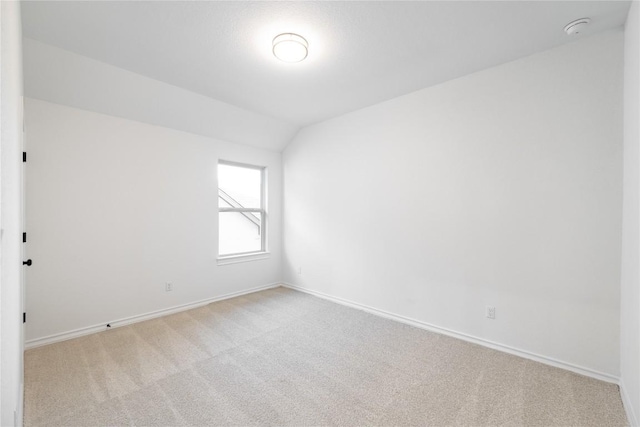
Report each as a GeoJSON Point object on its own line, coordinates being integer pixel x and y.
{"type": "Point", "coordinates": [289, 47]}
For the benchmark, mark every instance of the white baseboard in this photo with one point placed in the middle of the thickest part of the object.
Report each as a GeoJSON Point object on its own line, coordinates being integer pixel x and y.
{"type": "Point", "coordinates": [37, 342]}
{"type": "Point", "coordinates": [626, 402]}
{"type": "Point", "coordinates": [465, 337]}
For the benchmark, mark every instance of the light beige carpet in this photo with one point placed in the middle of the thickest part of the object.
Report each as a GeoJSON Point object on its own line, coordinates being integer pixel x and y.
{"type": "Point", "coordinates": [281, 357]}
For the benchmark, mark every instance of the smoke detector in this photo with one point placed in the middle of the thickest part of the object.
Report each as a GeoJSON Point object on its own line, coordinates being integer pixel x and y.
{"type": "Point", "coordinates": [576, 27]}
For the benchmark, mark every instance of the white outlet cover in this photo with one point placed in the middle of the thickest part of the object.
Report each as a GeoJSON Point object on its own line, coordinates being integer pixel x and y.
{"type": "Point", "coordinates": [491, 312]}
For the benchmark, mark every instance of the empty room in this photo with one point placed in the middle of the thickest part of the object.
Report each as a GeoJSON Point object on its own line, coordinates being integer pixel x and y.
{"type": "Point", "coordinates": [318, 213]}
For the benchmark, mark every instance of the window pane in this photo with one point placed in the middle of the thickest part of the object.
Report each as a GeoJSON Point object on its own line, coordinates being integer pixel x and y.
{"type": "Point", "coordinates": [239, 187]}
{"type": "Point", "coordinates": [240, 232]}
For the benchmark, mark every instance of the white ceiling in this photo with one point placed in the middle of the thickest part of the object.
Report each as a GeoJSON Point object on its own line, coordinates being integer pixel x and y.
{"type": "Point", "coordinates": [360, 53]}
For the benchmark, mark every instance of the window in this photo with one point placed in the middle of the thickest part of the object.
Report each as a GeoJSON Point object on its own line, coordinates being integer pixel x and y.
{"type": "Point", "coordinates": [241, 209]}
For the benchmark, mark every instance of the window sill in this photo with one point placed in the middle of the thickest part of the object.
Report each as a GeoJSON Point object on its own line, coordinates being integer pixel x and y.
{"type": "Point", "coordinates": [235, 259]}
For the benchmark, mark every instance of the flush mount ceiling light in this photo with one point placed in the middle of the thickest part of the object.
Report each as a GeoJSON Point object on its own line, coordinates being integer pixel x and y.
{"type": "Point", "coordinates": [289, 47]}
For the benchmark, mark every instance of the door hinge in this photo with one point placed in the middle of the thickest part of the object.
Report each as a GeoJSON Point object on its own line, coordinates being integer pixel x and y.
{"type": "Point", "coordinates": [24, 237]}
{"type": "Point", "coordinates": [24, 156]}
{"type": "Point", "coordinates": [24, 317]}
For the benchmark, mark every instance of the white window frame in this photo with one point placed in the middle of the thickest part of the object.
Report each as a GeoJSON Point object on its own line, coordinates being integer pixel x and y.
{"type": "Point", "coordinates": [262, 211]}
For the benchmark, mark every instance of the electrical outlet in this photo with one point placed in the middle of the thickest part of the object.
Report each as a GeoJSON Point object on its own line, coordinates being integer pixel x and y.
{"type": "Point", "coordinates": [491, 312]}
{"type": "Point", "coordinates": [299, 270]}
{"type": "Point", "coordinates": [168, 287]}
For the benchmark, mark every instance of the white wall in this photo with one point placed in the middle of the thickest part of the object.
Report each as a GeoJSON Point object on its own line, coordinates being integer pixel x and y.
{"type": "Point", "coordinates": [500, 188]}
{"type": "Point", "coordinates": [11, 342]}
{"type": "Point", "coordinates": [56, 75]}
{"type": "Point", "coordinates": [630, 288]}
{"type": "Point", "coordinates": [116, 208]}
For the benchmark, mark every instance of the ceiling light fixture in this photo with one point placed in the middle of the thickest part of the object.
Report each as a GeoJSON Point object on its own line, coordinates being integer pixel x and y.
{"type": "Point", "coordinates": [289, 47]}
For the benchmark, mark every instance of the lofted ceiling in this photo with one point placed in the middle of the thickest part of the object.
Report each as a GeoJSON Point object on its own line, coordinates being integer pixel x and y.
{"type": "Point", "coordinates": [360, 53]}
